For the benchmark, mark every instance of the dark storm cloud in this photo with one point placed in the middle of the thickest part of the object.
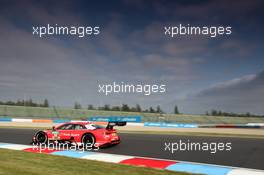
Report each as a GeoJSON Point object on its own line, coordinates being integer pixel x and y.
{"type": "Point", "coordinates": [131, 47]}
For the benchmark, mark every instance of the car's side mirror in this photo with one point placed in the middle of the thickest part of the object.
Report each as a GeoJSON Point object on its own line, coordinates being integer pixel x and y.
{"type": "Point", "coordinates": [53, 128]}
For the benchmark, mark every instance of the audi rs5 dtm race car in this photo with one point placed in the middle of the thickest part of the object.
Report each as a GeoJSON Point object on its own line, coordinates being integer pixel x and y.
{"type": "Point", "coordinates": [82, 132]}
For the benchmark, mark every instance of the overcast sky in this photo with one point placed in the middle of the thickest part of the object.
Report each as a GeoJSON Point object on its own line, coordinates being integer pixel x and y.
{"type": "Point", "coordinates": [201, 73]}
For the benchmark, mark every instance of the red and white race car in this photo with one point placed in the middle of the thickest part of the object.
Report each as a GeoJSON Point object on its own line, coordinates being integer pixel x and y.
{"type": "Point", "coordinates": [80, 133]}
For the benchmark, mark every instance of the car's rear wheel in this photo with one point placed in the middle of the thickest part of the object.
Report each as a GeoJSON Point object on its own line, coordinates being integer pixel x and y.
{"type": "Point", "coordinates": [41, 137]}
{"type": "Point", "coordinates": [88, 140]}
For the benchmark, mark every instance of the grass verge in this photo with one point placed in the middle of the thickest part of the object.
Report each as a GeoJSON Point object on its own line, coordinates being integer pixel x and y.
{"type": "Point", "coordinates": [19, 162]}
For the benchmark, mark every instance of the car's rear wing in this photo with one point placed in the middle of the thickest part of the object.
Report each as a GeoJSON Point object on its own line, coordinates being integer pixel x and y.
{"type": "Point", "coordinates": [111, 125]}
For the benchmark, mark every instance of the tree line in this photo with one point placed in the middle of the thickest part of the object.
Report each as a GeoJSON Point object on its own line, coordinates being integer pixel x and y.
{"type": "Point", "coordinates": [126, 108]}
{"type": "Point", "coordinates": [230, 114]}
{"type": "Point", "coordinates": [28, 102]}
{"type": "Point", "coordinates": [77, 105]}
{"type": "Point", "coordinates": [123, 107]}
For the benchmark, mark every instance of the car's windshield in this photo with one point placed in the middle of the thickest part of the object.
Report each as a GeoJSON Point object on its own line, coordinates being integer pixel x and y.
{"type": "Point", "coordinates": [65, 127]}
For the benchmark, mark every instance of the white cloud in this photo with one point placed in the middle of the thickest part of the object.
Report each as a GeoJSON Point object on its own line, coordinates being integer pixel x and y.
{"type": "Point", "coordinates": [240, 95]}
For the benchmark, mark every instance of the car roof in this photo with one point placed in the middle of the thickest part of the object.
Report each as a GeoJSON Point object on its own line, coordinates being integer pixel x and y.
{"type": "Point", "coordinates": [79, 122]}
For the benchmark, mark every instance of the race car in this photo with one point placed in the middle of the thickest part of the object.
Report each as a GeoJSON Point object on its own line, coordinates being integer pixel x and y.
{"type": "Point", "coordinates": [80, 132]}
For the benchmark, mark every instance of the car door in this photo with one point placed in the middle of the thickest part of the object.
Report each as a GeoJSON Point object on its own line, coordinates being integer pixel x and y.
{"type": "Point", "coordinates": [77, 132]}
{"type": "Point", "coordinates": [65, 131]}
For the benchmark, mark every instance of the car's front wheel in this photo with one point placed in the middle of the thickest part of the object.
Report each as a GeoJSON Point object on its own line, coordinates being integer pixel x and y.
{"type": "Point", "coordinates": [41, 137]}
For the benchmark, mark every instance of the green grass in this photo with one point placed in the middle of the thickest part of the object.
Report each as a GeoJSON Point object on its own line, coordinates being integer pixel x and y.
{"type": "Point", "coordinates": [69, 113]}
{"type": "Point", "coordinates": [18, 162]}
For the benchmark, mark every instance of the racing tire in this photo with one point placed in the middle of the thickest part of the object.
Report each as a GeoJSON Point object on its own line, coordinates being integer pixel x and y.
{"type": "Point", "coordinates": [41, 137]}
{"type": "Point", "coordinates": [88, 139]}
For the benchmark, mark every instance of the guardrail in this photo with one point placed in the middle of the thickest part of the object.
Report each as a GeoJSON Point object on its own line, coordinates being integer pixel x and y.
{"type": "Point", "coordinates": [136, 119]}
{"type": "Point", "coordinates": [171, 125]}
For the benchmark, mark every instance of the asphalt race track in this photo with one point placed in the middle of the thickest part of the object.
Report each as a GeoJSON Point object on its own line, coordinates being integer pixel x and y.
{"type": "Point", "coordinates": [247, 153]}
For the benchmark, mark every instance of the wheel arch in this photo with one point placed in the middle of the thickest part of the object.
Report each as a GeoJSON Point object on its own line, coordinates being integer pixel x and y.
{"type": "Point", "coordinates": [88, 133]}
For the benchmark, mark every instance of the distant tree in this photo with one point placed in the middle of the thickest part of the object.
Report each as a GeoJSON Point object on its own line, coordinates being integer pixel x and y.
{"type": "Point", "coordinates": [125, 108]}
{"type": "Point", "coordinates": [100, 108]}
{"type": "Point", "coordinates": [151, 110]}
{"type": "Point", "coordinates": [116, 108]}
{"type": "Point", "coordinates": [106, 108]}
{"type": "Point", "coordinates": [176, 110]}
{"type": "Point", "coordinates": [30, 102]}
{"type": "Point", "coordinates": [225, 114]}
{"type": "Point", "coordinates": [19, 103]}
{"type": "Point", "coordinates": [90, 107]}
{"type": "Point", "coordinates": [26, 103]}
{"type": "Point", "coordinates": [46, 103]}
{"type": "Point", "coordinates": [146, 110]}
{"type": "Point", "coordinates": [248, 114]}
{"type": "Point", "coordinates": [133, 109]}
{"type": "Point", "coordinates": [10, 103]}
{"type": "Point", "coordinates": [214, 112]}
{"type": "Point", "coordinates": [138, 108]}
{"type": "Point", "coordinates": [77, 105]}
{"type": "Point", "coordinates": [158, 110]}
